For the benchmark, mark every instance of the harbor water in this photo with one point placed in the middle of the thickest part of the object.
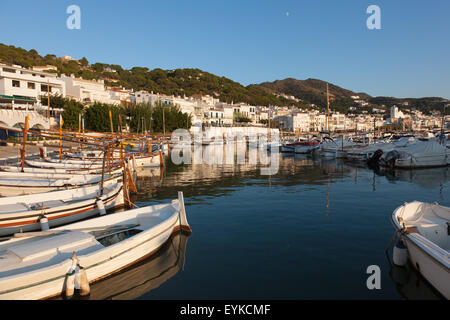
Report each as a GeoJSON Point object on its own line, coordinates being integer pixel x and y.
{"type": "Point", "coordinates": [309, 231]}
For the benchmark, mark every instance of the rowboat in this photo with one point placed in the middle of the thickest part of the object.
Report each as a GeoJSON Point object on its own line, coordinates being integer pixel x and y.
{"type": "Point", "coordinates": [25, 213]}
{"type": "Point", "coordinates": [69, 166]}
{"type": "Point", "coordinates": [70, 171]}
{"type": "Point", "coordinates": [425, 231]}
{"type": "Point", "coordinates": [44, 265]}
{"type": "Point", "coordinates": [13, 184]}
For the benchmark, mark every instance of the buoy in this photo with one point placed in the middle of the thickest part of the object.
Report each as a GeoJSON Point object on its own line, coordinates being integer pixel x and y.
{"type": "Point", "coordinates": [44, 223]}
{"type": "Point", "coordinates": [400, 254]}
{"type": "Point", "coordinates": [101, 206]}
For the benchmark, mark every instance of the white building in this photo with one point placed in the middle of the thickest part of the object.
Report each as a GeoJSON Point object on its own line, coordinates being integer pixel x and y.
{"type": "Point", "coordinates": [396, 113]}
{"type": "Point", "coordinates": [87, 91]}
{"type": "Point", "coordinates": [122, 96]}
{"type": "Point", "coordinates": [18, 82]}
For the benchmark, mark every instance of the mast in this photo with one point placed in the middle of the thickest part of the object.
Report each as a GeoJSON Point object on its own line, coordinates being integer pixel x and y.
{"type": "Point", "coordinates": [22, 151]}
{"type": "Point", "coordinates": [328, 109]}
{"type": "Point", "coordinates": [61, 121]}
{"type": "Point", "coordinates": [48, 101]}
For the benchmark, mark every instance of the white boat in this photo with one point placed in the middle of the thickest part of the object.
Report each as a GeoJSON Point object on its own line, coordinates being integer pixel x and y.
{"type": "Point", "coordinates": [422, 154]}
{"type": "Point", "coordinates": [17, 184]}
{"type": "Point", "coordinates": [18, 169]}
{"type": "Point", "coordinates": [68, 166]}
{"type": "Point", "coordinates": [425, 229]}
{"type": "Point", "coordinates": [25, 213]}
{"type": "Point", "coordinates": [336, 148]}
{"type": "Point", "coordinates": [141, 161]}
{"type": "Point", "coordinates": [36, 267]}
{"type": "Point", "coordinates": [366, 152]}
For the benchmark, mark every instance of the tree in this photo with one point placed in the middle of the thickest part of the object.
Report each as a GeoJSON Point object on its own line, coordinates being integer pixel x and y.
{"type": "Point", "coordinates": [84, 62]}
{"type": "Point", "coordinates": [70, 115]}
{"type": "Point", "coordinates": [97, 117]}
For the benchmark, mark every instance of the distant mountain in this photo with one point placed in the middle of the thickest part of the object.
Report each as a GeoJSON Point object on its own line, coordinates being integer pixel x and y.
{"type": "Point", "coordinates": [315, 91]}
{"type": "Point", "coordinates": [312, 90]}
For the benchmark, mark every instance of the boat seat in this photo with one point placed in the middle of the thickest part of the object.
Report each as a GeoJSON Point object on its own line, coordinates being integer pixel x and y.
{"type": "Point", "coordinates": [435, 232]}
{"type": "Point", "coordinates": [14, 207]}
{"type": "Point", "coordinates": [64, 242]}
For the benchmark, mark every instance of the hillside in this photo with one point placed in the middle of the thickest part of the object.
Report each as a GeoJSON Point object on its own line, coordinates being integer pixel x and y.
{"type": "Point", "coordinates": [171, 82]}
{"type": "Point", "coordinates": [313, 91]}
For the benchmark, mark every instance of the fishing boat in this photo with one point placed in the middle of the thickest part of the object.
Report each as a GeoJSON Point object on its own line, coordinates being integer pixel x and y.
{"type": "Point", "coordinates": [28, 212]}
{"type": "Point", "coordinates": [71, 171]}
{"type": "Point", "coordinates": [48, 264]}
{"type": "Point", "coordinates": [424, 229]}
{"type": "Point", "coordinates": [17, 184]}
{"type": "Point", "coordinates": [58, 165]}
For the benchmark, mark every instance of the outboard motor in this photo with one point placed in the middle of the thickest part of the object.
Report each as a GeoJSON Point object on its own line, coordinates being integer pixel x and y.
{"type": "Point", "coordinates": [389, 159]}
{"type": "Point", "coordinates": [375, 159]}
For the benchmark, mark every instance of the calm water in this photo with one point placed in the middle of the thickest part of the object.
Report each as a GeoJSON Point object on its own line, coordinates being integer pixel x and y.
{"type": "Point", "coordinates": [308, 232]}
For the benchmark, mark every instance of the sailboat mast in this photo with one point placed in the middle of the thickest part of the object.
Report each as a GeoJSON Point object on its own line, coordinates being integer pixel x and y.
{"type": "Point", "coordinates": [328, 108]}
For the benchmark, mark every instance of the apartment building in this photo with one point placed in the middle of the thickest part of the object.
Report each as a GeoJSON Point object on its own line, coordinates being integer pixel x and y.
{"type": "Point", "coordinates": [25, 86]}
{"type": "Point", "coordinates": [86, 91]}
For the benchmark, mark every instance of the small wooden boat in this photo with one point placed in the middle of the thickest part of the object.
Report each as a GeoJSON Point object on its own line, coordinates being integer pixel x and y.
{"type": "Point", "coordinates": [25, 213]}
{"type": "Point", "coordinates": [425, 230]}
{"type": "Point", "coordinates": [68, 166]}
{"type": "Point", "coordinates": [27, 170]}
{"type": "Point", "coordinates": [42, 265]}
{"type": "Point", "coordinates": [23, 184]}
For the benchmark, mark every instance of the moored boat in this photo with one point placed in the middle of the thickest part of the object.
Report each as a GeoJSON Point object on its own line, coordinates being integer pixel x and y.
{"type": "Point", "coordinates": [425, 231]}
{"type": "Point", "coordinates": [26, 213]}
{"type": "Point", "coordinates": [40, 266]}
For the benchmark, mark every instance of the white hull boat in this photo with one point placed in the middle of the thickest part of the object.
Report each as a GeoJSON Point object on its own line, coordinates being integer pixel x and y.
{"type": "Point", "coordinates": [28, 170]}
{"type": "Point", "coordinates": [18, 185]}
{"type": "Point", "coordinates": [26, 213]}
{"type": "Point", "coordinates": [424, 229]}
{"type": "Point", "coordinates": [155, 160]}
{"type": "Point", "coordinates": [423, 154]}
{"type": "Point", "coordinates": [43, 266]}
{"type": "Point", "coordinates": [336, 149]}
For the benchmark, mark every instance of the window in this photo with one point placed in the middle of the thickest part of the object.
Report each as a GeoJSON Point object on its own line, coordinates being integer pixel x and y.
{"type": "Point", "coordinates": [16, 84]}
{"type": "Point", "coordinates": [9, 70]}
{"type": "Point", "coordinates": [44, 88]}
{"type": "Point", "coordinates": [31, 85]}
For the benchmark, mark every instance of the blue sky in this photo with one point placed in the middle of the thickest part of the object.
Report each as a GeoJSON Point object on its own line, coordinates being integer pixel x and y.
{"type": "Point", "coordinates": [252, 41]}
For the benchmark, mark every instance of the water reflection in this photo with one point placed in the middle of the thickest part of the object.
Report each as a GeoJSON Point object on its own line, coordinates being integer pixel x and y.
{"type": "Point", "coordinates": [411, 285]}
{"type": "Point", "coordinates": [322, 205]}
